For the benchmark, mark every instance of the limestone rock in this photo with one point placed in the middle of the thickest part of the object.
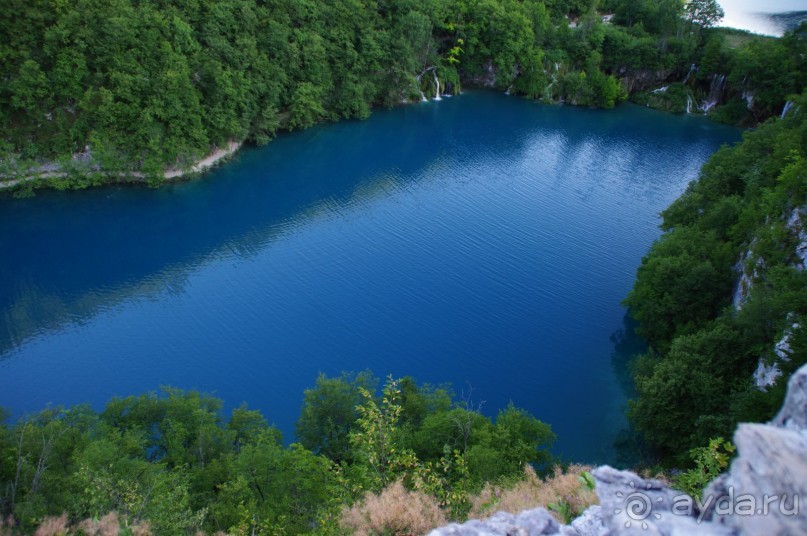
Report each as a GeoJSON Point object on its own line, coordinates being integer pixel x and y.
{"type": "Point", "coordinates": [769, 476]}
{"type": "Point", "coordinates": [761, 492]}
{"type": "Point", "coordinates": [797, 226]}
{"type": "Point", "coordinates": [793, 414]}
{"type": "Point", "coordinates": [588, 524]}
{"type": "Point", "coordinates": [632, 505]}
{"type": "Point", "coordinates": [535, 522]}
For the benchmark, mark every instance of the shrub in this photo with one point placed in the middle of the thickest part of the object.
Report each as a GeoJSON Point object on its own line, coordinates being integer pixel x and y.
{"type": "Point", "coordinates": [567, 494]}
{"type": "Point", "coordinates": [53, 526]}
{"type": "Point", "coordinates": [394, 510]}
{"type": "Point", "coordinates": [709, 462]}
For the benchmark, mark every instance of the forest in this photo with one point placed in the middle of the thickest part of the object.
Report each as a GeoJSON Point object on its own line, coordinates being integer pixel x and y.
{"type": "Point", "coordinates": [107, 89]}
{"type": "Point", "coordinates": [171, 463]}
{"type": "Point", "coordinates": [722, 290]}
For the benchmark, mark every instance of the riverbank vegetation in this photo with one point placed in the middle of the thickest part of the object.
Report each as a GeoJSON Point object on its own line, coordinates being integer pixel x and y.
{"type": "Point", "coordinates": [721, 296]}
{"type": "Point", "coordinates": [112, 89]}
{"type": "Point", "coordinates": [173, 464]}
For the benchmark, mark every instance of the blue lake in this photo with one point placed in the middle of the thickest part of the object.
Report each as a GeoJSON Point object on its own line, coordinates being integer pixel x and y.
{"type": "Point", "coordinates": [483, 240]}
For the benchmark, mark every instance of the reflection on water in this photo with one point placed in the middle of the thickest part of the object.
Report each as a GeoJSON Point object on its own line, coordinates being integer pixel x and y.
{"type": "Point", "coordinates": [481, 240]}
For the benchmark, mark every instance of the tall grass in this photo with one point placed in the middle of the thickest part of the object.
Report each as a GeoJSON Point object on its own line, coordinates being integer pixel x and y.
{"type": "Point", "coordinates": [395, 511]}
{"type": "Point", "coordinates": [564, 493]}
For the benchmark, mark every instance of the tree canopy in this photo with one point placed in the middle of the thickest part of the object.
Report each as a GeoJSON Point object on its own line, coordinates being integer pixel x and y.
{"type": "Point", "coordinates": [174, 461]}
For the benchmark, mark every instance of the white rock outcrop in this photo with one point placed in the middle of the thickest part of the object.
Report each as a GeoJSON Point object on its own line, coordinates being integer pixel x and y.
{"type": "Point", "coordinates": [797, 226]}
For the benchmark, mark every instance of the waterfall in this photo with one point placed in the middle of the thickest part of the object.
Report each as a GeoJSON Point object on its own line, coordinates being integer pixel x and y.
{"type": "Point", "coordinates": [689, 104]}
{"type": "Point", "coordinates": [692, 69]}
{"type": "Point", "coordinates": [749, 99]}
{"type": "Point", "coordinates": [436, 85]}
{"type": "Point", "coordinates": [508, 90]}
{"type": "Point", "coordinates": [662, 89]}
{"type": "Point", "coordinates": [547, 94]}
{"type": "Point", "coordinates": [422, 95]}
{"type": "Point", "coordinates": [716, 89]}
{"type": "Point", "coordinates": [787, 108]}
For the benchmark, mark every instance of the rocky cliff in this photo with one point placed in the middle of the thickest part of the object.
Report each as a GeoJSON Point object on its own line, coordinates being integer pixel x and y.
{"type": "Point", "coordinates": [759, 495]}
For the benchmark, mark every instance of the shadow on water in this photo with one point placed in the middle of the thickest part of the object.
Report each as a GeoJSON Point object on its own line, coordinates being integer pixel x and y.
{"type": "Point", "coordinates": [627, 345]}
{"type": "Point", "coordinates": [630, 450]}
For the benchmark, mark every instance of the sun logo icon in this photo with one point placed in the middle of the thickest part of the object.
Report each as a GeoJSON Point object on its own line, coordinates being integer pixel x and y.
{"type": "Point", "coordinates": [638, 507]}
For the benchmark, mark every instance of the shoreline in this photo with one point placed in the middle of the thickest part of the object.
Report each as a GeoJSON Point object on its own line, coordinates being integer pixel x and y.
{"type": "Point", "coordinates": [200, 166]}
{"type": "Point", "coordinates": [219, 156]}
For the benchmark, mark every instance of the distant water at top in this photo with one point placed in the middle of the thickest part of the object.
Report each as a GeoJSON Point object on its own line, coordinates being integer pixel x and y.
{"type": "Point", "coordinates": [772, 17]}
{"type": "Point", "coordinates": [483, 240]}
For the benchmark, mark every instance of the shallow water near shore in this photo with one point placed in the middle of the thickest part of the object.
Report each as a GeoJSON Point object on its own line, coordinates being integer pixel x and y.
{"type": "Point", "coordinates": [483, 240]}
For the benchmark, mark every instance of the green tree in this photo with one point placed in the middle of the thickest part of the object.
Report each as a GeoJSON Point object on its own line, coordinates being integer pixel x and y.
{"type": "Point", "coordinates": [704, 13]}
{"type": "Point", "coordinates": [329, 413]}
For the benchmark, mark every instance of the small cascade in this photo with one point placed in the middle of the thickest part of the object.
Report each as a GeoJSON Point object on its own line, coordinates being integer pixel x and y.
{"type": "Point", "coordinates": [436, 85]}
{"type": "Point", "coordinates": [548, 91]}
{"type": "Point", "coordinates": [787, 108]}
{"type": "Point", "coordinates": [689, 104]}
{"type": "Point", "coordinates": [419, 78]}
{"type": "Point", "coordinates": [692, 70]}
{"type": "Point", "coordinates": [420, 88]}
{"type": "Point", "coordinates": [662, 89]}
{"type": "Point", "coordinates": [508, 90]}
{"type": "Point", "coordinates": [748, 97]}
{"type": "Point", "coordinates": [716, 89]}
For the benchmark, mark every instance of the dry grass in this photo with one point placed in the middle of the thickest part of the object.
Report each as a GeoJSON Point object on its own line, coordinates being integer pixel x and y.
{"type": "Point", "coordinates": [106, 526]}
{"type": "Point", "coordinates": [394, 511]}
{"type": "Point", "coordinates": [650, 474]}
{"type": "Point", "coordinates": [53, 526]}
{"type": "Point", "coordinates": [109, 525]}
{"type": "Point", "coordinates": [141, 529]}
{"type": "Point", "coordinates": [6, 525]}
{"type": "Point", "coordinates": [531, 492]}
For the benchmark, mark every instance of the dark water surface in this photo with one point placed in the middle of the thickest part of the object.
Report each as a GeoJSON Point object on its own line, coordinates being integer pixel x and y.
{"type": "Point", "coordinates": [482, 240]}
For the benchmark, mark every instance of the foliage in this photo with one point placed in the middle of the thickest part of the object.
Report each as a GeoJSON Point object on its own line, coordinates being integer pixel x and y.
{"type": "Point", "coordinates": [171, 463]}
{"type": "Point", "coordinates": [696, 382]}
{"type": "Point", "coordinates": [709, 461]}
{"type": "Point", "coordinates": [141, 86]}
{"type": "Point", "coordinates": [374, 440]}
{"type": "Point", "coordinates": [329, 413]}
{"type": "Point", "coordinates": [704, 13]}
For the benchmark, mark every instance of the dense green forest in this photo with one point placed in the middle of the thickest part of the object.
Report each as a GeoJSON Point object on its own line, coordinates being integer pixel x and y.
{"type": "Point", "coordinates": [143, 85]}
{"type": "Point", "coordinates": [743, 220]}
{"type": "Point", "coordinates": [172, 460]}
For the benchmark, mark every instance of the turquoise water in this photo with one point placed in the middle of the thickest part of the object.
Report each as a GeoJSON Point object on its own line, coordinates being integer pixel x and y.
{"type": "Point", "coordinates": [482, 240]}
